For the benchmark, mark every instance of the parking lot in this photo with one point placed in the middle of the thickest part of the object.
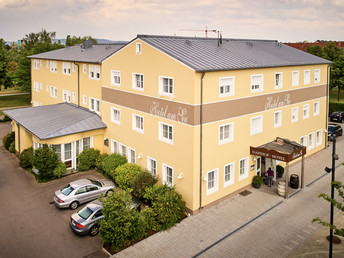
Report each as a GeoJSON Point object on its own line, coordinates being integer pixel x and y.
{"type": "Point", "coordinates": [31, 225]}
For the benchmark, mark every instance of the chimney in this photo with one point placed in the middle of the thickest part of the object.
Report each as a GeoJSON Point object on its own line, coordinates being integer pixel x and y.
{"type": "Point", "coordinates": [87, 44]}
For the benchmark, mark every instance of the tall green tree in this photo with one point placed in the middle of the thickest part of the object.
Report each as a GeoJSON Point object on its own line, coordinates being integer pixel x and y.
{"type": "Point", "coordinates": [4, 65]}
{"type": "Point", "coordinates": [71, 41]}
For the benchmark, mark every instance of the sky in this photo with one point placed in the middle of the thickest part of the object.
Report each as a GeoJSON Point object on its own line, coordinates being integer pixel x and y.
{"type": "Point", "coordinates": [282, 20]}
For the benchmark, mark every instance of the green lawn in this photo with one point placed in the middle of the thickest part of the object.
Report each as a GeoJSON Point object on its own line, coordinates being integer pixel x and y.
{"type": "Point", "coordinates": [334, 95]}
{"type": "Point", "coordinates": [15, 101]}
{"type": "Point", "coordinates": [4, 91]}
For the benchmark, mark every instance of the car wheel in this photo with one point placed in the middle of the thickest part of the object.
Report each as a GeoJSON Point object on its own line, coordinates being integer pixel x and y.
{"type": "Point", "coordinates": [94, 230]}
{"type": "Point", "coordinates": [107, 192]}
{"type": "Point", "coordinates": [74, 205]}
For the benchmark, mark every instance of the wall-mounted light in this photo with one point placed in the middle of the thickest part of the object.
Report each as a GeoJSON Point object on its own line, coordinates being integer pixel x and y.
{"type": "Point", "coordinates": [140, 156]}
{"type": "Point", "coordinates": [254, 158]}
{"type": "Point", "coordinates": [106, 141]}
{"type": "Point", "coordinates": [180, 176]}
{"type": "Point", "coordinates": [204, 178]}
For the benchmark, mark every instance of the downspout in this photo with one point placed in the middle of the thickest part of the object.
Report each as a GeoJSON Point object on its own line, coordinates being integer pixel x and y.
{"type": "Point", "coordinates": [327, 104]}
{"type": "Point", "coordinates": [18, 138]}
{"type": "Point", "coordinates": [201, 145]}
{"type": "Point", "coordinates": [78, 84]}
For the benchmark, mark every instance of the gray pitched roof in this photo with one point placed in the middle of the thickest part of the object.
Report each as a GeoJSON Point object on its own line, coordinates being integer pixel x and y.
{"type": "Point", "coordinates": [94, 54]}
{"type": "Point", "coordinates": [57, 120]}
{"type": "Point", "coordinates": [206, 54]}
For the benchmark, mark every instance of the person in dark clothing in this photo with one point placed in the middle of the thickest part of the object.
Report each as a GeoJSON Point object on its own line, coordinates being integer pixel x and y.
{"type": "Point", "coordinates": [270, 173]}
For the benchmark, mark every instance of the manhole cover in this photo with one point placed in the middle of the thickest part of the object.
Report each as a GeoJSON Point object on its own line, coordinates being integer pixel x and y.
{"type": "Point", "coordinates": [245, 193]}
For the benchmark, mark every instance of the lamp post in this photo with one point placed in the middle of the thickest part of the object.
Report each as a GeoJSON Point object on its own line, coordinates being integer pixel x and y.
{"type": "Point", "coordinates": [328, 170]}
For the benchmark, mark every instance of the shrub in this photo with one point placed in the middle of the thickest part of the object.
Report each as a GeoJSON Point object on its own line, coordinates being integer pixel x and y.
{"type": "Point", "coordinates": [5, 119]}
{"type": "Point", "coordinates": [60, 169]}
{"type": "Point", "coordinates": [120, 223]}
{"type": "Point", "coordinates": [124, 175]}
{"type": "Point", "coordinates": [8, 139]}
{"type": "Point", "coordinates": [143, 180]}
{"type": "Point", "coordinates": [88, 159]}
{"type": "Point", "coordinates": [257, 180]}
{"type": "Point", "coordinates": [45, 160]}
{"type": "Point", "coordinates": [111, 162]}
{"type": "Point", "coordinates": [167, 204]}
{"type": "Point", "coordinates": [25, 158]}
{"type": "Point", "coordinates": [12, 147]}
{"type": "Point", "coordinates": [150, 221]}
{"type": "Point", "coordinates": [99, 162]}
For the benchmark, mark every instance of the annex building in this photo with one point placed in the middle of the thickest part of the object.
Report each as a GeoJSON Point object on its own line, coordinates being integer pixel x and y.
{"type": "Point", "coordinates": [187, 109]}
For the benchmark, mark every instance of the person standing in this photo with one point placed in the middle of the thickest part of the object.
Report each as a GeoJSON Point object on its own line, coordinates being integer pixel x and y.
{"type": "Point", "coordinates": [270, 173]}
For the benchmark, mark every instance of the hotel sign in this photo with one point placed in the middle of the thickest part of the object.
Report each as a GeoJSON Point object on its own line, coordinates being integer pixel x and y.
{"type": "Point", "coordinates": [272, 154]}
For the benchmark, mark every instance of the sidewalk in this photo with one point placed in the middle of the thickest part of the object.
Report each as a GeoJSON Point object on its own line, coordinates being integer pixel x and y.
{"type": "Point", "coordinates": [260, 224]}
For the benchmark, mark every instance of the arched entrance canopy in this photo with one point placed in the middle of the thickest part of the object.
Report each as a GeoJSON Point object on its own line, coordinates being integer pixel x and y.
{"type": "Point", "coordinates": [283, 150]}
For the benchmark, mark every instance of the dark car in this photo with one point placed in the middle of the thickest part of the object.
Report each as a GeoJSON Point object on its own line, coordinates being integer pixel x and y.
{"type": "Point", "coordinates": [337, 116]}
{"type": "Point", "coordinates": [334, 130]}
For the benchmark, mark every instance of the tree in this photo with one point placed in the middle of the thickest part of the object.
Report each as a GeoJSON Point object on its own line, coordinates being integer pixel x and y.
{"type": "Point", "coordinates": [4, 64]}
{"type": "Point", "coordinates": [45, 160]}
{"type": "Point", "coordinates": [337, 74]}
{"type": "Point", "coordinates": [340, 188]}
{"type": "Point", "coordinates": [71, 41]}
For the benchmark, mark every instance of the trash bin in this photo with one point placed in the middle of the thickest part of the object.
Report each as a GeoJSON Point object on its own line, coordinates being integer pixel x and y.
{"type": "Point", "coordinates": [294, 181]}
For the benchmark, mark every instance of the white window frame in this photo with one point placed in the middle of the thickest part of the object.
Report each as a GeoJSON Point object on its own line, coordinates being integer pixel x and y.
{"type": "Point", "coordinates": [316, 108]}
{"type": "Point", "coordinates": [36, 64]}
{"type": "Point", "coordinates": [215, 186]}
{"type": "Point", "coordinates": [115, 118]}
{"type": "Point", "coordinates": [243, 169]}
{"type": "Point", "coordinates": [311, 140]}
{"type": "Point", "coordinates": [231, 174]}
{"type": "Point", "coordinates": [165, 177]}
{"type": "Point", "coordinates": [53, 92]}
{"type": "Point", "coordinates": [260, 84]}
{"type": "Point", "coordinates": [48, 88]}
{"type": "Point", "coordinates": [318, 137]}
{"type": "Point", "coordinates": [139, 129]}
{"type": "Point", "coordinates": [260, 129]}
{"type": "Point", "coordinates": [279, 83]}
{"type": "Point", "coordinates": [138, 48]}
{"type": "Point", "coordinates": [150, 168]}
{"type": "Point", "coordinates": [36, 86]}
{"type": "Point", "coordinates": [278, 121]}
{"type": "Point", "coordinates": [131, 155]}
{"type": "Point", "coordinates": [96, 105]}
{"type": "Point", "coordinates": [317, 76]}
{"type": "Point", "coordinates": [53, 66]}
{"type": "Point", "coordinates": [134, 82]}
{"type": "Point", "coordinates": [294, 120]}
{"type": "Point", "coordinates": [41, 86]}
{"type": "Point", "coordinates": [226, 86]}
{"type": "Point", "coordinates": [305, 108]}
{"type": "Point", "coordinates": [306, 77]}
{"type": "Point", "coordinates": [35, 103]}
{"type": "Point", "coordinates": [161, 133]}
{"type": "Point", "coordinates": [162, 91]}
{"type": "Point", "coordinates": [66, 96]}
{"type": "Point", "coordinates": [47, 64]}
{"type": "Point", "coordinates": [222, 133]}
{"type": "Point", "coordinates": [112, 147]}
{"type": "Point", "coordinates": [74, 96]}
{"type": "Point", "coordinates": [66, 68]}
{"type": "Point", "coordinates": [120, 150]}
{"type": "Point", "coordinates": [115, 75]}
{"type": "Point", "coordinates": [94, 72]}
{"type": "Point", "coordinates": [303, 140]}
{"type": "Point", "coordinates": [295, 78]}
{"type": "Point", "coordinates": [84, 68]}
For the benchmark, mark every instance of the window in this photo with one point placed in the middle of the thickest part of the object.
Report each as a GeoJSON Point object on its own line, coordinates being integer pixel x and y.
{"type": "Point", "coordinates": [37, 145]}
{"type": "Point", "coordinates": [212, 181]}
{"type": "Point", "coordinates": [131, 155]}
{"type": "Point", "coordinates": [278, 80]}
{"type": "Point", "coordinates": [74, 96]}
{"type": "Point", "coordinates": [122, 150]}
{"type": "Point", "coordinates": [243, 168]}
{"type": "Point", "coordinates": [307, 77]}
{"type": "Point", "coordinates": [47, 64]}
{"type": "Point", "coordinates": [278, 119]}
{"type": "Point", "coordinates": [311, 141]}
{"type": "Point", "coordinates": [36, 64]}
{"type": "Point", "coordinates": [115, 115]}
{"type": "Point", "coordinates": [40, 63]}
{"type": "Point", "coordinates": [67, 151]}
{"type": "Point", "coordinates": [66, 96]}
{"type": "Point", "coordinates": [256, 83]}
{"type": "Point", "coordinates": [166, 86]}
{"type": "Point", "coordinates": [53, 66]}
{"type": "Point", "coordinates": [137, 81]}
{"type": "Point", "coordinates": [256, 125]}
{"type": "Point", "coordinates": [137, 123]}
{"type": "Point", "coordinates": [84, 69]}
{"type": "Point", "coordinates": [316, 106]}
{"type": "Point", "coordinates": [138, 48]}
{"type": "Point", "coordinates": [84, 97]}
{"type": "Point", "coordinates": [294, 114]}
{"type": "Point", "coordinates": [306, 111]}
{"type": "Point", "coordinates": [86, 143]}
{"type": "Point", "coordinates": [317, 76]}
{"type": "Point", "coordinates": [303, 140]}
{"type": "Point", "coordinates": [66, 68]}
{"type": "Point", "coordinates": [167, 175]}
{"type": "Point", "coordinates": [295, 78]}
{"type": "Point", "coordinates": [58, 150]}
{"type": "Point", "coordinates": [35, 103]}
{"type": "Point", "coordinates": [116, 78]}
{"type": "Point", "coordinates": [94, 105]}
{"type": "Point", "coordinates": [48, 88]}
{"type": "Point", "coordinates": [41, 86]}
{"type": "Point", "coordinates": [94, 72]}
{"type": "Point", "coordinates": [318, 138]}
{"type": "Point", "coordinates": [151, 166]}
{"type": "Point", "coordinates": [53, 92]}
{"type": "Point", "coordinates": [166, 133]}
{"type": "Point", "coordinates": [74, 69]}
{"type": "Point", "coordinates": [226, 133]}
{"type": "Point", "coordinates": [36, 86]}
{"type": "Point", "coordinates": [229, 174]}
{"type": "Point", "coordinates": [114, 146]}
{"type": "Point", "coordinates": [226, 85]}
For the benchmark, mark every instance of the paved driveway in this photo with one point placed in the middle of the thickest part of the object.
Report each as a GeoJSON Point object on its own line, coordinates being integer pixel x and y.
{"type": "Point", "coordinates": [30, 225]}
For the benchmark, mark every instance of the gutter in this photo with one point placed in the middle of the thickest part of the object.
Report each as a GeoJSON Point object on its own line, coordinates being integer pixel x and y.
{"type": "Point", "coordinates": [201, 146]}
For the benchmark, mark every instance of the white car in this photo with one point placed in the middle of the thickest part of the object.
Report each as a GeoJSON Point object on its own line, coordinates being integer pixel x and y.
{"type": "Point", "coordinates": [81, 191]}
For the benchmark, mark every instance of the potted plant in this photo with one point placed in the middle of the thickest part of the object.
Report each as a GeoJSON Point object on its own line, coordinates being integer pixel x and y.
{"type": "Point", "coordinates": [280, 171]}
{"type": "Point", "coordinates": [257, 181]}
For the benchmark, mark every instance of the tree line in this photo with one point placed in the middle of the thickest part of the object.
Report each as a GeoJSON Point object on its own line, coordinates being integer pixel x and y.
{"type": "Point", "coordinates": [15, 67]}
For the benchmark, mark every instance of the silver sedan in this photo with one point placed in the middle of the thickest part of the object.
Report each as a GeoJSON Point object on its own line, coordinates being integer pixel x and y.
{"type": "Point", "coordinates": [81, 191]}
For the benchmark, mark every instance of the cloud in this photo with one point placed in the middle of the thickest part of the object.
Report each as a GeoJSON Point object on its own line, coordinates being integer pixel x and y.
{"type": "Point", "coordinates": [15, 3]}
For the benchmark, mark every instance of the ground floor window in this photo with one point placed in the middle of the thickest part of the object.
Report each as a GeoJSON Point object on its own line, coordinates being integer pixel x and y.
{"type": "Point", "coordinates": [229, 174]}
{"type": "Point", "coordinates": [243, 168]}
{"type": "Point", "coordinates": [167, 175]}
{"type": "Point", "coordinates": [212, 181]}
{"type": "Point", "coordinates": [151, 166]}
{"type": "Point", "coordinates": [131, 156]}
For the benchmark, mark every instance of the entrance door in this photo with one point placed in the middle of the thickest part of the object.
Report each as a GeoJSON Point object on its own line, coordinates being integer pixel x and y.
{"type": "Point", "coordinates": [272, 164]}
{"type": "Point", "coordinates": [259, 165]}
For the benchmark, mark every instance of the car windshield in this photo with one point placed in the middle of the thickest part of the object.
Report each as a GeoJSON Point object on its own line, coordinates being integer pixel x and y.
{"type": "Point", "coordinates": [85, 212]}
{"type": "Point", "coordinates": [331, 129]}
{"type": "Point", "coordinates": [95, 182]}
{"type": "Point", "coordinates": [67, 190]}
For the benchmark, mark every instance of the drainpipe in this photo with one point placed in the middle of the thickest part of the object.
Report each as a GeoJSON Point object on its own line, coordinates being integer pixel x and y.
{"type": "Point", "coordinates": [78, 84]}
{"type": "Point", "coordinates": [201, 145]}
{"type": "Point", "coordinates": [327, 104]}
{"type": "Point", "coordinates": [18, 126]}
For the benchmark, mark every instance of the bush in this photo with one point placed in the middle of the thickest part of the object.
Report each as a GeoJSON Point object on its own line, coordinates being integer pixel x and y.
{"type": "Point", "coordinates": [143, 180]}
{"type": "Point", "coordinates": [5, 119]}
{"type": "Point", "coordinates": [45, 160]}
{"type": "Point", "coordinates": [167, 204]}
{"type": "Point", "coordinates": [60, 169]}
{"type": "Point", "coordinates": [12, 147]}
{"type": "Point", "coordinates": [99, 162]}
{"type": "Point", "coordinates": [88, 159]}
{"type": "Point", "coordinates": [25, 158]}
{"type": "Point", "coordinates": [125, 174]}
{"type": "Point", "coordinates": [120, 223]}
{"type": "Point", "coordinates": [8, 139]}
{"type": "Point", "coordinates": [335, 106]}
{"type": "Point", "coordinates": [150, 221]}
{"type": "Point", "coordinates": [111, 162]}
{"type": "Point", "coordinates": [257, 180]}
